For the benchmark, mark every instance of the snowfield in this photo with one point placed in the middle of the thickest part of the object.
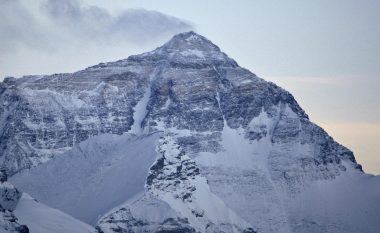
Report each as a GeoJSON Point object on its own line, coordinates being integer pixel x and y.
{"type": "Point", "coordinates": [42, 219]}
{"type": "Point", "coordinates": [93, 177]}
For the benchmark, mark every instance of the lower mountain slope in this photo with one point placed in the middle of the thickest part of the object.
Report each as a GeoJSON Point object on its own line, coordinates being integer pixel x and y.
{"type": "Point", "coordinates": [20, 213]}
{"type": "Point", "coordinates": [198, 194]}
{"type": "Point", "coordinates": [40, 218]}
{"type": "Point", "coordinates": [93, 177]}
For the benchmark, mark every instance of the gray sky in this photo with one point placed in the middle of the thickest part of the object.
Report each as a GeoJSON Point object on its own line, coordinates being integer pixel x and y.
{"type": "Point", "coordinates": [325, 52]}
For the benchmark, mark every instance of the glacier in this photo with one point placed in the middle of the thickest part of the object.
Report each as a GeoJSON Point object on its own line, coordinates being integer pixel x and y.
{"type": "Point", "coordinates": [179, 139]}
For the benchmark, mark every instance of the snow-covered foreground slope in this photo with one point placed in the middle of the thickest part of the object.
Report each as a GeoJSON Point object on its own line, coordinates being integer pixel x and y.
{"type": "Point", "coordinates": [93, 177]}
{"type": "Point", "coordinates": [236, 154]}
{"type": "Point", "coordinates": [227, 191]}
{"type": "Point", "coordinates": [349, 203]}
{"type": "Point", "coordinates": [20, 213]}
{"type": "Point", "coordinates": [114, 173]}
{"type": "Point", "coordinates": [42, 219]}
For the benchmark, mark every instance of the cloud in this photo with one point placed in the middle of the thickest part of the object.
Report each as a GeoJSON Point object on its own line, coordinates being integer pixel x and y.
{"type": "Point", "coordinates": [53, 31]}
{"type": "Point", "coordinates": [135, 25]}
{"type": "Point", "coordinates": [17, 26]}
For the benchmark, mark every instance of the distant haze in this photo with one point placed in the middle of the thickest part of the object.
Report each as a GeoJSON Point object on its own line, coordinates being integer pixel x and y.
{"type": "Point", "coordinates": [326, 52]}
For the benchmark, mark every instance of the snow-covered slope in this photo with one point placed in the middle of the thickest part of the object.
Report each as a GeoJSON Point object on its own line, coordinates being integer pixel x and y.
{"type": "Point", "coordinates": [93, 177]}
{"type": "Point", "coordinates": [20, 213]}
{"type": "Point", "coordinates": [42, 219]}
{"type": "Point", "coordinates": [349, 203]}
{"type": "Point", "coordinates": [236, 153]}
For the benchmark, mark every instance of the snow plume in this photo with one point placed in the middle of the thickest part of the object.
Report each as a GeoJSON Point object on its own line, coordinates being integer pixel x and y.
{"type": "Point", "coordinates": [46, 35]}
{"type": "Point", "coordinates": [135, 25]}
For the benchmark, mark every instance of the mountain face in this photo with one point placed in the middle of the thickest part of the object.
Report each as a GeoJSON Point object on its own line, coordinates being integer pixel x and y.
{"type": "Point", "coordinates": [180, 139]}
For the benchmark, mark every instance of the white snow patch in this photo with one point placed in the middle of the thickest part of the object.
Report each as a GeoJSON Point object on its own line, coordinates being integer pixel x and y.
{"type": "Point", "coordinates": [192, 38]}
{"type": "Point", "coordinates": [167, 103]}
{"type": "Point", "coordinates": [172, 130]}
{"type": "Point", "coordinates": [140, 112]}
{"type": "Point", "coordinates": [237, 151]}
{"type": "Point", "coordinates": [47, 97]}
{"type": "Point", "coordinates": [192, 53]}
{"type": "Point", "coordinates": [246, 81]}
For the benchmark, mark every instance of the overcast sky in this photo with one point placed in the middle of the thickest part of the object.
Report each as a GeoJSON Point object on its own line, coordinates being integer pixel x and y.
{"type": "Point", "coordinates": [325, 52]}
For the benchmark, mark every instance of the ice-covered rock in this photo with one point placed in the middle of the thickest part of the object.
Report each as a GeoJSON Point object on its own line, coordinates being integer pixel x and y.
{"type": "Point", "coordinates": [9, 198]}
{"type": "Point", "coordinates": [9, 223]}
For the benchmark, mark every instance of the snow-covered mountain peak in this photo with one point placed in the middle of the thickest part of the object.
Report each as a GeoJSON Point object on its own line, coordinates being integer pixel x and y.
{"type": "Point", "coordinates": [187, 49]}
{"type": "Point", "coordinates": [237, 152]}
{"type": "Point", "coordinates": [190, 41]}
{"type": "Point", "coordinates": [184, 50]}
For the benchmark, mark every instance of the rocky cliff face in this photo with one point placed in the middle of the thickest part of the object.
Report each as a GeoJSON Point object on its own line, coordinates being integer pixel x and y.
{"type": "Point", "coordinates": [242, 142]}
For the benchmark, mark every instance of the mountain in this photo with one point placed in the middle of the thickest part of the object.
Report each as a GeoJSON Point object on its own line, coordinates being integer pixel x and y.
{"type": "Point", "coordinates": [180, 139]}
